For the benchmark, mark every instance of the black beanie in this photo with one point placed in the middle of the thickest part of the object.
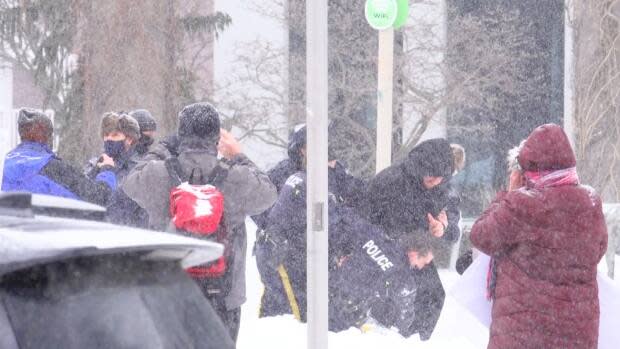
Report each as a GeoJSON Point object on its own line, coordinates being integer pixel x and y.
{"type": "Point", "coordinates": [296, 142]}
{"type": "Point", "coordinates": [430, 158]}
{"type": "Point", "coordinates": [145, 120]}
{"type": "Point", "coordinates": [199, 120]}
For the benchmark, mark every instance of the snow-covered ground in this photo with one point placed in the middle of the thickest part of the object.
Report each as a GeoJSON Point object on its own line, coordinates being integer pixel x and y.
{"type": "Point", "coordinates": [456, 327]}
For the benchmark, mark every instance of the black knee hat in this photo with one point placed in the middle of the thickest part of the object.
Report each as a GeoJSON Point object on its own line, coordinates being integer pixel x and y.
{"type": "Point", "coordinates": [145, 120]}
{"type": "Point", "coordinates": [199, 120]}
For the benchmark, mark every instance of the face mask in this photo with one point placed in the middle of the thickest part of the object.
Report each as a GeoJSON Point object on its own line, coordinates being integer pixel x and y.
{"type": "Point", "coordinates": [114, 149]}
{"type": "Point", "coordinates": [143, 144]}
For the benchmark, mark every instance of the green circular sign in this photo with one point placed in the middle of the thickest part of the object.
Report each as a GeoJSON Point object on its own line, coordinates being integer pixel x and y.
{"type": "Point", "coordinates": [403, 13]}
{"type": "Point", "coordinates": [381, 14]}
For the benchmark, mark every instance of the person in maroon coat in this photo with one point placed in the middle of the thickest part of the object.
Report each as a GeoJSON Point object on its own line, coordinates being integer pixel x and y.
{"type": "Point", "coordinates": [546, 235]}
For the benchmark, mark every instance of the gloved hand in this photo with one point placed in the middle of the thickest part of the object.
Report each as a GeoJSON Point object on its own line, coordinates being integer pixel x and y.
{"type": "Point", "coordinates": [396, 309]}
{"type": "Point", "coordinates": [271, 250]}
{"type": "Point", "coordinates": [384, 311]}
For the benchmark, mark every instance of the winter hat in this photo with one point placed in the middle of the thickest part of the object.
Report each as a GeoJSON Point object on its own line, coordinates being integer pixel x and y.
{"type": "Point", "coordinates": [296, 142]}
{"type": "Point", "coordinates": [109, 123]}
{"type": "Point", "coordinates": [33, 125]}
{"type": "Point", "coordinates": [199, 120]}
{"type": "Point", "coordinates": [119, 122]}
{"type": "Point", "coordinates": [430, 158]}
{"type": "Point", "coordinates": [145, 120]}
{"type": "Point", "coordinates": [547, 148]}
{"type": "Point", "coordinates": [129, 126]}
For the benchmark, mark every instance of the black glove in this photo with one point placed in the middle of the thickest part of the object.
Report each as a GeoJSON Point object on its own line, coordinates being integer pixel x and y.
{"type": "Point", "coordinates": [397, 309]}
{"type": "Point", "coordinates": [271, 249]}
{"type": "Point", "coordinates": [384, 311]}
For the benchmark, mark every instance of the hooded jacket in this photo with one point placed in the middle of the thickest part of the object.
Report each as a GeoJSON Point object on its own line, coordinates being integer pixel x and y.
{"type": "Point", "coordinates": [33, 167]}
{"type": "Point", "coordinates": [397, 200]}
{"type": "Point", "coordinates": [247, 191]}
{"type": "Point", "coordinates": [546, 242]}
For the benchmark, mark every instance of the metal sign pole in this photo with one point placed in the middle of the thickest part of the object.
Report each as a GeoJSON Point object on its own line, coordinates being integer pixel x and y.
{"type": "Point", "coordinates": [384, 98]}
{"type": "Point", "coordinates": [384, 16]}
{"type": "Point", "coordinates": [316, 150]}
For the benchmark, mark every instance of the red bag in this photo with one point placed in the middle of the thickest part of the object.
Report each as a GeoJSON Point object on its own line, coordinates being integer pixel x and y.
{"type": "Point", "coordinates": [197, 210]}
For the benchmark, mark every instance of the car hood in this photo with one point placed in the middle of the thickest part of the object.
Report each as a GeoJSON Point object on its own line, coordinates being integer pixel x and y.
{"type": "Point", "coordinates": [26, 242]}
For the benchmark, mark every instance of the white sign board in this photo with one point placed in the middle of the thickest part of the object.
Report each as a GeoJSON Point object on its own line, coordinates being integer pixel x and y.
{"type": "Point", "coordinates": [470, 292]}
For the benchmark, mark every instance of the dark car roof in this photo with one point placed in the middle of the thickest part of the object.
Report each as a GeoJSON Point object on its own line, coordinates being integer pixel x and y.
{"type": "Point", "coordinates": [30, 240]}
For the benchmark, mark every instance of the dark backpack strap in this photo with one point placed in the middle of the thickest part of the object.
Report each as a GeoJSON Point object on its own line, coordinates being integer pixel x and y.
{"type": "Point", "coordinates": [218, 175]}
{"type": "Point", "coordinates": [175, 171]}
{"type": "Point", "coordinates": [197, 181]}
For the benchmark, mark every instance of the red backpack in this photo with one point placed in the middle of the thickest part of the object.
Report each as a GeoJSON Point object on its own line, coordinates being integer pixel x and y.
{"type": "Point", "coordinates": [197, 210]}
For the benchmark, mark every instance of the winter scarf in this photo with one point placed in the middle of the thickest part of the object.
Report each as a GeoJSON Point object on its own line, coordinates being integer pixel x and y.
{"type": "Point", "coordinates": [549, 179]}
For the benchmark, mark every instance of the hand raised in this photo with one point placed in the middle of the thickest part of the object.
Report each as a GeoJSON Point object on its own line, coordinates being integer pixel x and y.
{"type": "Point", "coordinates": [105, 161]}
{"type": "Point", "coordinates": [228, 146]}
{"type": "Point", "coordinates": [435, 226]}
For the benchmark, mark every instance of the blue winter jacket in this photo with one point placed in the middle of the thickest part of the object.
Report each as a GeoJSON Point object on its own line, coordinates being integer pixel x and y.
{"type": "Point", "coordinates": [33, 167]}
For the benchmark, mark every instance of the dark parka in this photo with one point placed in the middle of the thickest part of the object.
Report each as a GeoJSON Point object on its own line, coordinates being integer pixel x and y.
{"type": "Point", "coordinates": [398, 202]}
{"type": "Point", "coordinates": [285, 168]}
{"type": "Point", "coordinates": [371, 275]}
{"type": "Point", "coordinates": [287, 230]}
{"type": "Point", "coordinates": [268, 248]}
{"type": "Point", "coordinates": [547, 243]}
{"type": "Point", "coordinates": [367, 269]}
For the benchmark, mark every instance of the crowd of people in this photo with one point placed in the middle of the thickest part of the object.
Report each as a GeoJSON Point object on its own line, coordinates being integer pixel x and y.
{"type": "Point", "coordinates": [546, 233]}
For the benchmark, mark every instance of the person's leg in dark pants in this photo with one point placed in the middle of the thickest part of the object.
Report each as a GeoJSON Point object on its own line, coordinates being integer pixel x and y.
{"type": "Point", "coordinates": [273, 301]}
{"type": "Point", "coordinates": [230, 318]}
{"type": "Point", "coordinates": [429, 301]}
{"type": "Point", "coordinates": [232, 321]}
